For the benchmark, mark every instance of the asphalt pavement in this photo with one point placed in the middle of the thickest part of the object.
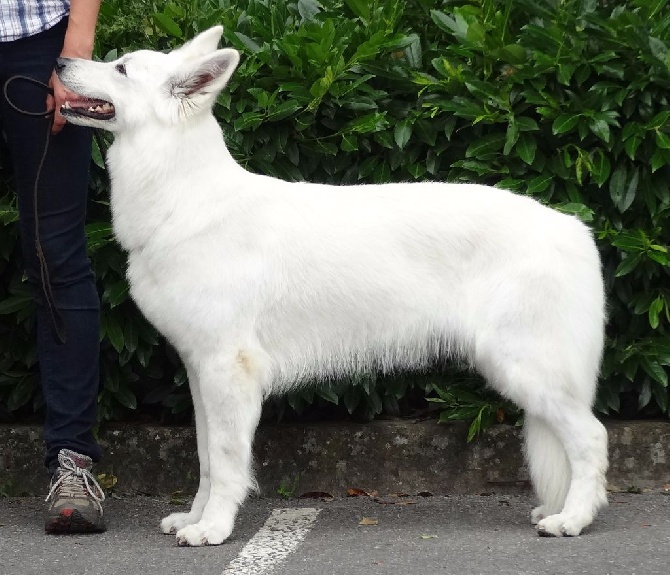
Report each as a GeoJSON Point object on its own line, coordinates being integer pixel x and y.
{"type": "Point", "coordinates": [464, 535]}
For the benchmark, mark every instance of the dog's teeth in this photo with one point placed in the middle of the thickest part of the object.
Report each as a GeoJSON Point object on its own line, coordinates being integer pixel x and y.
{"type": "Point", "coordinates": [101, 108]}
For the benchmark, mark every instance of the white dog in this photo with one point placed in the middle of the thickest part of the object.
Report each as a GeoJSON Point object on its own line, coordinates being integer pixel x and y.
{"type": "Point", "coordinates": [262, 284]}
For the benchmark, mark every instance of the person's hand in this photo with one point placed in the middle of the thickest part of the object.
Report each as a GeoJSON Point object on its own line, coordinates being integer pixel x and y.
{"type": "Point", "coordinates": [56, 101]}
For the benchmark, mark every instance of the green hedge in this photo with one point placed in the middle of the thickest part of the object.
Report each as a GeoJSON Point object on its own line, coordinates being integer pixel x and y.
{"type": "Point", "coordinates": [566, 101]}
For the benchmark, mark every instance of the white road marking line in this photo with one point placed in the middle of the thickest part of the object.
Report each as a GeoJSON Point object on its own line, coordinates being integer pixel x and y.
{"type": "Point", "coordinates": [279, 536]}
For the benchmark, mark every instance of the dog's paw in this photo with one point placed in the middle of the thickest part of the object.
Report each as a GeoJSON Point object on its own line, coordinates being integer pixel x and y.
{"type": "Point", "coordinates": [561, 525]}
{"type": "Point", "coordinates": [176, 521]}
{"type": "Point", "coordinates": [203, 533]}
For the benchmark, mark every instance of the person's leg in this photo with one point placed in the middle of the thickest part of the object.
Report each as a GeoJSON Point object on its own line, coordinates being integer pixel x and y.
{"type": "Point", "coordinates": [69, 370]}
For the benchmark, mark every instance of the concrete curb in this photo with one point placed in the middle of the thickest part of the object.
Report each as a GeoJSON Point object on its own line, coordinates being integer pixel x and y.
{"type": "Point", "coordinates": [385, 456]}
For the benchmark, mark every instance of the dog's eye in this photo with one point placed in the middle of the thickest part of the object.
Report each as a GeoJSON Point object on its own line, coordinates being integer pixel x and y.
{"type": "Point", "coordinates": [121, 69]}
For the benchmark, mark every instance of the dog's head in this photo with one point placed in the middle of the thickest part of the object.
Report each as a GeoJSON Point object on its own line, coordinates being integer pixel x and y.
{"type": "Point", "coordinates": [144, 87]}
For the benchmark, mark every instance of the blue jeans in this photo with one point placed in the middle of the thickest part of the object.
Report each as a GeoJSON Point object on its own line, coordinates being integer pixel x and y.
{"type": "Point", "coordinates": [69, 371]}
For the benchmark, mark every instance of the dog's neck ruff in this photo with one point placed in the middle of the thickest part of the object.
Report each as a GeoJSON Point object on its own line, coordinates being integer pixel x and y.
{"type": "Point", "coordinates": [163, 174]}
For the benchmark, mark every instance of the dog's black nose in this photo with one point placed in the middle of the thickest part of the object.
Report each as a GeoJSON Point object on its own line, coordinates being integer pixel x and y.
{"type": "Point", "coordinates": [61, 63]}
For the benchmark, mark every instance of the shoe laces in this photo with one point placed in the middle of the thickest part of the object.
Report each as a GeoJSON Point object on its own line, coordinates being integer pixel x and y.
{"type": "Point", "coordinates": [73, 480]}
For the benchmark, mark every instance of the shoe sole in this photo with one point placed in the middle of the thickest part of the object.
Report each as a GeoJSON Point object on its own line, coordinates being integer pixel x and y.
{"type": "Point", "coordinates": [72, 521]}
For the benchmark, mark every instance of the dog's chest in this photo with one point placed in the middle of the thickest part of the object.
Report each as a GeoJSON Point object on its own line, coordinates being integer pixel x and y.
{"type": "Point", "coordinates": [169, 292]}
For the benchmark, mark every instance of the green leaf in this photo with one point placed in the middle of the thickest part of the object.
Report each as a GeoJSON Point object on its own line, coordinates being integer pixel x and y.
{"type": "Point", "coordinates": [22, 393]}
{"type": "Point", "coordinates": [564, 123]}
{"type": "Point", "coordinates": [600, 167]}
{"type": "Point", "coordinates": [402, 133]}
{"type": "Point", "coordinates": [112, 381]}
{"type": "Point", "coordinates": [631, 191]}
{"type": "Point", "coordinates": [284, 110]}
{"type": "Point", "coordinates": [634, 241]}
{"type": "Point", "coordinates": [655, 370]}
{"type": "Point", "coordinates": [413, 52]}
{"type": "Point", "coordinates": [131, 335]}
{"type": "Point", "coordinates": [113, 332]}
{"type": "Point", "coordinates": [417, 170]}
{"type": "Point", "coordinates": [601, 129]}
{"type": "Point", "coordinates": [526, 124]}
{"type": "Point", "coordinates": [623, 189]}
{"type": "Point", "coordinates": [663, 140]}
{"type": "Point", "coordinates": [308, 9]}
{"type": "Point", "coordinates": [658, 121]}
{"type": "Point", "coordinates": [565, 72]}
{"type": "Point", "coordinates": [382, 174]}
{"type": "Point", "coordinates": [444, 22]}
{"type": "Point", "coordinates": [126, 398]}
{"type": "Point", "coordinates": [662, 397]}
{"type": "Point", "coordinates": [175, 10]}
{"type": "Point", "coordinates": [655, 310]}
{"type": "Point", "coordinates": [352, 399]}
{"type": "Point", "coordinates": [485, 146]}
{"type": "Point", "coordinates": [367, 124]}
{"type": "Point", "coordinates": [539, 183]}
{"type": "Point", "coordinates": [360, 8]}
{"type": "Point", "coordinates": [329, 395]}
{"type": "Point", "coordinates": [645, 395]}
{"type": "Point", "coordinates": [526, 148]}
{"type": "Point", "coordinates": [167, 24]}
{"type": "Point", "coordinates": [12, 304]}
{"type": "Point", "coordinates": [248, 43]}
{"type": "Point", "coordinates": [117, 293]}
{"type": "Point", "coordinates": [349, 143]}
{"type": "Point", "coordinates": [658, 160]}
{"type": "Point", "coordinates": [511, 136]}
{"type": "Point", "coordinates": [374, 402]}
{"type": "Point", "coordinates": [631, 145]}
{"type": "Point", "coordinates": [576, 209]}
{"type": "Point", "coordinates": [659, 258]}
{"type": "Point", "coordinates": [627, 265]}
{"type": "Point", "coordinates": [512, 54]}
{"type": "Point", "coordinates": [96, 154]}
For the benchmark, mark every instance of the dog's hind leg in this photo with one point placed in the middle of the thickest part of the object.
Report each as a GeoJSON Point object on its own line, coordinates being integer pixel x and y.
{"type": "Point", "coordinates": [231, 387]}
{"type": "Point", "coordinates": [539, 343]}
{"type": "Point", "coordinates": [552, 378]}
{"type": "Point", "coordinates": [566, 447]}
{"type": "Point", "coordinates": [176, 521]}
{"type": "Point", "coordinates": [584, 439]}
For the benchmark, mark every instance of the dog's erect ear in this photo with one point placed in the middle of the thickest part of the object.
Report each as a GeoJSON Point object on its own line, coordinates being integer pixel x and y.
{"type": "Point", "coordinates": [204, 43]}
{"type": "Point", "coordinates": [208, 74]}
{"type": "Point", "coordinates": [196, 83]}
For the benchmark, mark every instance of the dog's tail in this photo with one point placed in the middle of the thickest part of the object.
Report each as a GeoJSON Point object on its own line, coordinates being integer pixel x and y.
{"type": "Point", "coordinates": [549, 465]}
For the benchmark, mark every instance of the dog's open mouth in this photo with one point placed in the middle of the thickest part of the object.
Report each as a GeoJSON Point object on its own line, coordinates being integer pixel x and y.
{"type": "Point", "coordinates": [88, 107]}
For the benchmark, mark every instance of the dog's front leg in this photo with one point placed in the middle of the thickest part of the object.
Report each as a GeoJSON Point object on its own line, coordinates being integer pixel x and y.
{"type": "Point", "coordinates": [176, 521]}
{"type": "Point", "coordinates": [231, 397]}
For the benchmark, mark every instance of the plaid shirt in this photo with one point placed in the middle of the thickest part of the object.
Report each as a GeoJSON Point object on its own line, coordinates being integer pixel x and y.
{"type": "Point", "coordinates": [21, 18]}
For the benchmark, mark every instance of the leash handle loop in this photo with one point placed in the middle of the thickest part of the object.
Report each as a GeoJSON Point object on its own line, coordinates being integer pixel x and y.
{"type": "Point", "coordinates": [35, 82]}
{"type": "Point", "coordinates": [56, 318]}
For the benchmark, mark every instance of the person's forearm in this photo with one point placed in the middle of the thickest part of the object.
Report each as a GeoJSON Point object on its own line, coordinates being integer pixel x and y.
{"type": "Point", "coordinates": [80, 33]}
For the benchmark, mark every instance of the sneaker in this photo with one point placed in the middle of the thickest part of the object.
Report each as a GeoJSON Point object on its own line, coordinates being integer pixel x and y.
{"type": "Point", "coordinates": [74, 502]}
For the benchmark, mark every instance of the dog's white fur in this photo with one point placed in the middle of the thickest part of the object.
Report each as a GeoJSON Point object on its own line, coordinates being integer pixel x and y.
{"type": "Point", "coordinates": [261, 284]}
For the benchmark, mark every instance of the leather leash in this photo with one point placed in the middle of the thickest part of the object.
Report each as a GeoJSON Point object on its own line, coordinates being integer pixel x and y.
{"type": "Point", "coordinates": [56, 318]}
